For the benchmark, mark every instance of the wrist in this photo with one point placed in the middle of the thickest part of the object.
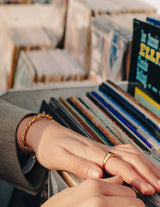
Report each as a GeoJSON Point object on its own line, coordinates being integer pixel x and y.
{"type": "Point", "coordinates": [30, 130]}
{"type": "Point", "coordinates": [20, 131]}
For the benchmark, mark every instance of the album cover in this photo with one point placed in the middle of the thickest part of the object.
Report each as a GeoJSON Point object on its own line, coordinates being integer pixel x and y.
{"type": "Point", "coordinates": [146, 99]}
{"type": "Point", "coordinates": [92, 121]}
{"type": "Point", "coordinates": [113, 128]}
{"type": "Point", "coordinates": [25, 75]}
{"type": "Point", "coordinates": [68, 117]}
{"type": "Point", "coordinates": [77, 34]}
{"type": "Point", "coordinates": [46, 108]}
{"type": "Point", "coordinates": [130, 122]}
{"type": "Point", "coordinates": [55, 183]}
{"type": "Point", "coordinates": [130, 104]}
{"type": "Point", "coordinates": [115, 134]}
{"type": "Point", "coordinates": [76, 116]}
{"type": "Point", "coordinates": [110, 139]}
{"type": "Point", "coordinates": [121, 122]}
{"type": "Point", "coordinates": [153, 20]}
{"type": "Point", "coordinates": [108, 48]}
{"type": "Point", "coordinates": [83, 121]}
{"type": "Point", "coordinates": [145, 57]}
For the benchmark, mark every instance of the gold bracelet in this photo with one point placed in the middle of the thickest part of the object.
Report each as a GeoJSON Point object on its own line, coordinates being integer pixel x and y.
{"type": "Point", "coordinates": [33, 120]}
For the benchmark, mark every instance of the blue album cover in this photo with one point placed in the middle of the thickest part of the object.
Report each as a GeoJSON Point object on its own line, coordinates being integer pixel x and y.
{"type": "Point", "coordinates": [126, 124]}
{"type": "Point", "coordinates": [100, 103]}
{"type": "Point", "coordinates": [147, 137]}
{"type": "Point", "coordinates": [131, 106]}
{"type": "Point", "coordinates": [154, 21]}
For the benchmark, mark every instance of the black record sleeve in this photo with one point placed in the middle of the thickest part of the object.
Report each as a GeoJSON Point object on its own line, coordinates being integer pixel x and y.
{"type": "Point", "coordinates": [145, 57]}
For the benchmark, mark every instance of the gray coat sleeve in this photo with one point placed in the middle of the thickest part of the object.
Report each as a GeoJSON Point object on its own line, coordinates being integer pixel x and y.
{"type": "Point", "coordinates": [10, 168]}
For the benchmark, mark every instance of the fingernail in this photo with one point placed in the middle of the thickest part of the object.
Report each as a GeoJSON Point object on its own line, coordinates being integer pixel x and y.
{"type": "Point", "coordinates": [94, 173]}
{"type": "Point", "coordinates": [150, 188]}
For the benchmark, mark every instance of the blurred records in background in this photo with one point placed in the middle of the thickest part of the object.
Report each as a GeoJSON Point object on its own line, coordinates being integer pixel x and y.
{"type": "Point", "coordinates": [28, 27]}
{"type": "Point", "coordinates": [46, 66]}
{"type": "Point", "coordinates": [78, 25]}
{"type": "Point", "coordinates": [96, 34]}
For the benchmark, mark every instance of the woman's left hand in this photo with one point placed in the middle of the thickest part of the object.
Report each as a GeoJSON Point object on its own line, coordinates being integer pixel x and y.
{"type": "Point", "coordinates": [60, 148]}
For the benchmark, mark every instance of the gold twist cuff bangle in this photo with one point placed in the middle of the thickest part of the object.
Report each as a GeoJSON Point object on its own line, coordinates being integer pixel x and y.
{"type": "Point", "coordinates": [107, 156]}
{"type": "Point", "coordinates": [33, 120]}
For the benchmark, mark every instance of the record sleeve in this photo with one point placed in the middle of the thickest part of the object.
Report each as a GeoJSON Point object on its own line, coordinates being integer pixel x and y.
{"type": "Point", "coordinates": [91, 120]}
{"type": "Point", "coordinates": [94, 119]}
{"type": "Point", "coordinates": [115, 119]}
{"type": "Point", "coordinates": [145, 57]}
{"type": "Point", "coordinates": [45, 107]}
{"type": "Point", "coordinates": [130, 104]}
{"type": "Point", "coordinates": [71, 121]}
{"type": "Point", "coordinates": [146, 99]}
{"type": "Point", "coordinates": [93, 133]}
{"type": "Point", "coordinates": [131, 122]}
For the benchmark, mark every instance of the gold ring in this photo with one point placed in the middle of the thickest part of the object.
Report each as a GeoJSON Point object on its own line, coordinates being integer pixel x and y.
{"type": "Point", "coordinates": [107, 156]}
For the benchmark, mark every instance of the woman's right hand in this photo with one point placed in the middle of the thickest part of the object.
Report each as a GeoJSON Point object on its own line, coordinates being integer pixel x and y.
{"type": "Point", "coordinates": [96, 193]}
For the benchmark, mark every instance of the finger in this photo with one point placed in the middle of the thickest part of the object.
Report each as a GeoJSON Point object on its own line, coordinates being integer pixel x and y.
{"type": "Point", "coordinates": [143, 169]}
{"type": "Point", "coordinates": [89, 151]}
{"type": "Point", "coordinates": [112, 201]}
{"type": "Point", "coordinates": [79, 166]}
{"type": "Point", "coordinates": [116, 190]}
{"type": "Point", "coordinates": [115, 179]}
{"type": "Point", "coordinates": [141, 166]}
{"type": "Point", "coordinates": [116, 166]}
{"type": "Point", "coordinates": [102, 187]}
{"type": "Point", "coordinates": [131, 149]}
{"type": "Point", "coordinates": [123, 202]}
{"type": "Point", "coordinates": [152, 166]}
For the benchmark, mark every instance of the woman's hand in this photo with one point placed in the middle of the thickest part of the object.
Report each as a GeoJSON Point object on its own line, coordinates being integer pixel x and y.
{"type": "Point", "coordinates": [60, 148]}
{"type": "Point", "coordinates": [135, 168]}
{"type": "Point", "coordinates": [96, 193]}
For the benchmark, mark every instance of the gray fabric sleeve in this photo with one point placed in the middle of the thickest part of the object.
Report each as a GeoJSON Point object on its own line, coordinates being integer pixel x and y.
{"type": "Point", "coordinates": [10, 168]}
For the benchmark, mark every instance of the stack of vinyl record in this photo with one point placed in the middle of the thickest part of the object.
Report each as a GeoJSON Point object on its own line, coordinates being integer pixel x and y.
{"type": "Point", "coordinates": [77, 36]}
{"type": "Point", "coordinates": [111, 116]}
{"type": "Point", "coordinates": [111, 39]}
{"type": "Point", "coordinates": [28, 27]}
{"type": "Point", "coordinates": [46, 66]}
